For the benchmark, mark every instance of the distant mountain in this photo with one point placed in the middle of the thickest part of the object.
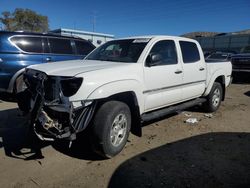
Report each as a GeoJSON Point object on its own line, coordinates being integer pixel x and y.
{"type": "Point", "coordinates": [247, 31]}
{"type": "Point", "coordinates": [200, 34]}
{"type": "Point", "coordinates": [211, 34]}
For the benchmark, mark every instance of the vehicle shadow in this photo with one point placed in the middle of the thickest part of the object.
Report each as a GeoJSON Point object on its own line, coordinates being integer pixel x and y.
{"type": "Point", "coordinates": [18, 141]}
{"type": "Point", "coordinates": [241, 78]}
{"type": "Point", "coordinates": [209, 160]}
{"type": "Point", "coordinates": [247, 93]}
{"type": "Point", "coordinates": [155, 120]}
{"type": "Point", "coordinates": [80, 148]}
{"type": "Point", "coordinates": [7, 97]}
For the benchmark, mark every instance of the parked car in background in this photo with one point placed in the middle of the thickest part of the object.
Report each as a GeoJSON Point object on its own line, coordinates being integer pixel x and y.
{"type": "Point", "coordinates": [241, 63]}
{"type": "Point", "coordinates": [219, 56]}
{"type": "Point", "coordinates": [119, 85]}
{"type": "Point", "coordinates": [245, 50]}
{"type": "Point", "coordinates": [21, 49]}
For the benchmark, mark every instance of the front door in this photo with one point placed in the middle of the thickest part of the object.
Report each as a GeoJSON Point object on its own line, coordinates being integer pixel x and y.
{"type": "Point", "coordinates": [163, 79]}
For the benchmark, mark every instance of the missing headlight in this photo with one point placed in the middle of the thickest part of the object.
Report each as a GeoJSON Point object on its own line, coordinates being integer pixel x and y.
{"type": "Point", "coordinates": [70, 86]}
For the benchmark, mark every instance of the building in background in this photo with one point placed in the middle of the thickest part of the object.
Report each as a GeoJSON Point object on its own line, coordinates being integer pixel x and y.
{"type": "Point", "coordinates": [96, 38]}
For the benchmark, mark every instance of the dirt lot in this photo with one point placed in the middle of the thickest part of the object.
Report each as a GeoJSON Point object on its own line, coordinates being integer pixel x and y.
{"type": "Point", "coordinates": [215, 152]}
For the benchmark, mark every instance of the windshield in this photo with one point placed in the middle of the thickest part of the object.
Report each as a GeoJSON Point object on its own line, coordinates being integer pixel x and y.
{"type": "Point", "coordinates": [128, 50]}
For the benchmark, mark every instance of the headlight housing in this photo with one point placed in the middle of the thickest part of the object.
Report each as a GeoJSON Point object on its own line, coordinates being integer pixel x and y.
{"type": "Point", "coordinates": [70, 86]}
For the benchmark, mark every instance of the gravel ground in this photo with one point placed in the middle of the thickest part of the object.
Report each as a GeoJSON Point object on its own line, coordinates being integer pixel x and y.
{"type": "Point", "coordinates": [215, 152]}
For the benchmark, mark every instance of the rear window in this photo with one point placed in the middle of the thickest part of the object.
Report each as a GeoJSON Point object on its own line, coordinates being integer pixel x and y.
{"type": "Point", "coordinates": [190, 52]}
{"type": "Point", "coordinates": [60, 46]}
{"type": "Point", "coordinates": [28, 44]}
{"type": "Point", "coordinates": [83, 48]}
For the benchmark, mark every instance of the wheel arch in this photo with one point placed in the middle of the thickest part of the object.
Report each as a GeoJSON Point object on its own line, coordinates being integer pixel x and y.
{"type": "Point", "coordinates": [220, 78]}
{"type": "Point", "coordinates": [129, 98]}
{"type": "Point", "coordinates": [12, 82]}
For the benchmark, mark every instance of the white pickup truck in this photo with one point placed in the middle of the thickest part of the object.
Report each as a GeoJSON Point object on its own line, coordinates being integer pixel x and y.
{"type": "Point", "coordinates": [119, 85]}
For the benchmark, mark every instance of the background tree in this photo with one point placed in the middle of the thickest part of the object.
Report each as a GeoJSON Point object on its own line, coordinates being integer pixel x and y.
{"type": "Point", "coordinates": [24, 19]}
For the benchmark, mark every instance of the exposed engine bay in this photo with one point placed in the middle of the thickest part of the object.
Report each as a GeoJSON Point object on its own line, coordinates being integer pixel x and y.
{"type": "Point", "coordinates": [52, 114]}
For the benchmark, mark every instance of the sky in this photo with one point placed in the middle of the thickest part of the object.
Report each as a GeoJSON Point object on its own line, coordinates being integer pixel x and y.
{"type": "Point", "coordinates": [140, 17]}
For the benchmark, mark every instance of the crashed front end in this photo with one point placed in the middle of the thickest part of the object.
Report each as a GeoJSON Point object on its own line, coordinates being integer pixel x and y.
{"type": "Point", "coordinates": [52, 114]}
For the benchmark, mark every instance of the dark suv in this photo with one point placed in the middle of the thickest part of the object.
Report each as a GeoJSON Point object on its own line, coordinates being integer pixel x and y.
{"type": "Point", "coordinates": [21, 49]}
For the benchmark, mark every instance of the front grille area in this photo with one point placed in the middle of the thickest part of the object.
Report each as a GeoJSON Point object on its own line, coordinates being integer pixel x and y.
{"type": "Point", "coordinates": [52, 89]}
{"type": "Point", "coordinates": [53, 115]}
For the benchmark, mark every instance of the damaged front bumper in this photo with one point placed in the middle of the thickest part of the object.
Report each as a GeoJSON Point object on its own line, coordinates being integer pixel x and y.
{"type": "Point", "coordinates": [53, 115]}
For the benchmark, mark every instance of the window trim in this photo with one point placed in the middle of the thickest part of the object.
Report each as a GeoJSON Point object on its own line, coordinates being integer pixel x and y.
{"type": "Point", "coordinates": [151, 47]}
{"type": "Point", "coordinates": [197, 51]}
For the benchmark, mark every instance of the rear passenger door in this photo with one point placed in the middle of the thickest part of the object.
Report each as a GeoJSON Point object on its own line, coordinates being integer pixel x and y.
{"type": "Point", "coordinates": [60, 49]}
{"type": "Point", "coordinates": [194, 73]}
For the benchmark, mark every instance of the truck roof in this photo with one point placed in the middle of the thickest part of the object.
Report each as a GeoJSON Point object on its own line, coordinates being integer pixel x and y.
{"type": "Point", "coordinates": [157, 37]}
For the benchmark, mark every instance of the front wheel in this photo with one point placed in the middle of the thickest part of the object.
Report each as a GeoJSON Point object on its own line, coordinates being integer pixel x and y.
{"type": "Point", "coordinates": [111, 127]}
{"type": "Point", "coordinates": [214, 98]}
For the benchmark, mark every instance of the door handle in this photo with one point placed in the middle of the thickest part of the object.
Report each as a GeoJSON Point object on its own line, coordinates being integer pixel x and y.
{"type": "Point", "coordinates": [48, 59]}
{"type": "Point", "coordinates": [178, 72]}
{"type": "Point", "coordinates": [201, 69]}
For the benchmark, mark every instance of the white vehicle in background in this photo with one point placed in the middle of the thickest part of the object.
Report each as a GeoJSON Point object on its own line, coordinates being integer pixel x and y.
{"type": "Point", "coordinates": [119, 85]}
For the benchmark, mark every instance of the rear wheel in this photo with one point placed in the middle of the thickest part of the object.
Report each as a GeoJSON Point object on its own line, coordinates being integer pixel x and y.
{"type": "Point", "coordinates": [214, 98]}
{"type": "Point", "coordinates": [111, 128]}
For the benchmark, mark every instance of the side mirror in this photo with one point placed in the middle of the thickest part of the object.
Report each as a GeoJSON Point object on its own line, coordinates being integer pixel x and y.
{"type": "Point", "coordinates": [153, 60]}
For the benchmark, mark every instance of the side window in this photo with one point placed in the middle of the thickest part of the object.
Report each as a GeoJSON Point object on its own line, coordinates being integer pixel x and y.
{"type": "Point", "coordinates": [190, 52]}
{"type": "Point", "coordinates": [167, 51]}
{"type": "Point", "coordinates": [60, 46]}
{"type": "Point", "coordinates": [28, 44]}
{"type": "Point", "coordinates": [83, 48]}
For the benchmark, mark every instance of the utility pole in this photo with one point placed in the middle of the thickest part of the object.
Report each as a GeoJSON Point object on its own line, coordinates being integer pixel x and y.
{"type": "Point", "coordinates": [94, 21]}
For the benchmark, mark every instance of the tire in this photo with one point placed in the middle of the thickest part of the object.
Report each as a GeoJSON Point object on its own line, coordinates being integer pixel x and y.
{"type": "Point", "coordinates": [214, 98]}
{"type": "Point", "coordinates": [111, 127]}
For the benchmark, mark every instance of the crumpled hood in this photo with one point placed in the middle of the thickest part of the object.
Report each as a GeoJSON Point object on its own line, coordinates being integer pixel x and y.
{"type": "Point", "coordinates": [74, 67]}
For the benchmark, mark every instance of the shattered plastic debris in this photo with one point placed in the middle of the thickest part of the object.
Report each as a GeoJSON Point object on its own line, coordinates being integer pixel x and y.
{"type": "Point", "coordinates": [191, 120]}
{"type": "Point", "coordinates": [208, 115]}
{"type": "Point", "coordinates": [186, 114]}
